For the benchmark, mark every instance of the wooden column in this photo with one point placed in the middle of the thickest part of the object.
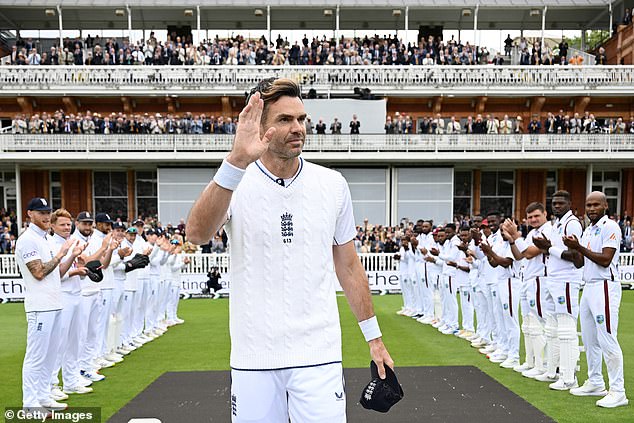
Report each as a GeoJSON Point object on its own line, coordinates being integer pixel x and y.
{"type": "Point", "coordinates": [34, 183]}
{"type": "Point", "coordinates": [530, 186]}
{"type": "Point", "coordinates": [131, 195]}
{"type": "Point", "coordinates": [475, 189]}
{"type": "Point", "coordinates": [627, 192]}
{"type": "Point", "coordinates": [76, 190]}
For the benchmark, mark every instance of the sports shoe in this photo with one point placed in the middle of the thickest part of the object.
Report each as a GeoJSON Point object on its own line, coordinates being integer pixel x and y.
{"type": "Point", "coordinates": [560, 385]}
{"type": "Point", "coordinates": [510, 363]}
{"type": "Point", "coordinates": [57, 394]}
{"type": "Point", "coordinates": [401, 311]}
{"type": "Point", "coordinates": [489, 349]}
{"type": "Point", "coordinates": [113, 357]}
{"type": "Point", "coordinates": [103, 363]}
{"type": "Point", "coordinates": [533, 373]}
{"type": "Point", "coordinates": [522, 368]}
{"type": "Point", "coordinates": [589, 389]}
{"type": "Point", "coordinates": [130, 346]}
{"type": "Point", "coordinates": [497, 358]}
{"type": "Point", "coordinates": [465, 334]}
{"type": "Point", "coordinates": [54, 405]}
{"type": "Point", "coordinates": [472, 337]}
{"type": "Point", "coordinates": [545, 377]}
{"type": "Point", "coordinates": [613, 399]}
{"type": "Point", "coordinates": [122, 350]}
{"type": "Point", "coordinates": [136, 343]}
{"type": "Point", "coordinates": [480, 343]}
{"type": "Point", "coordinates": [437, 324]}
{"type": "Point", "coordinates": [95, 377]}
{"type": "Point", "coordinates": [179, 321]}
{"type": "Point", "coordinates": [449, 331]}
{"type": "Point", "coordinates": [77, 389]}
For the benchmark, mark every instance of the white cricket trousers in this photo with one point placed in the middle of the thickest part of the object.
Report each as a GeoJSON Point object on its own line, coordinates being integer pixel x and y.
{"type": "Point", "coordinates": [466, 307]}
{"type": "Point", "coordinates": [450, 301]}
{"type": "Point", "coordinates": [172, 305]}
{"type": "Point", "coordinates": [104, 322]}
{"type": "Point", "coordinates": [599, 314]}
{"type": "Point", "coordinates": [42, 347]}
{"type": "Point", "coordinates": [91, 313]}
{"type": "Point", "coordinates": [140, 306]}
{"type": "Point", "coordinates": [508, 295]}
{"type": "Point", "coordinates": [128, 316]}
{"type": "Point", "coordinates": [67, 357]}
{"type": "Point", "coordinates": [307, 395]}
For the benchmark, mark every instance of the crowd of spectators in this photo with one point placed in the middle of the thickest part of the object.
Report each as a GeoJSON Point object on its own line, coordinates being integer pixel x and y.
{"type": "Point", "coordinates": [8, 231]}
{"type": "Point", "coordinates": [59, 122]}
{"type": "Point", "coordinates": [238, 50]}
{"type": "Point", "coordinates": [560, 123]}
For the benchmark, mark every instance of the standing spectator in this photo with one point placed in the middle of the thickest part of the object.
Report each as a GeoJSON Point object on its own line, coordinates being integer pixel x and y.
{"type": "Point", "coordinates": [534, 126]}
{"type": "Point", "coordinates": [33, 58]}
{"type": "Point", "coordinates": [389, 126]}
{"type": "Point", "coordinates": [335, 127]}
{"type": "Point", "coordinates": [354, 125]}
{"type": "Point", "coordinates": [601, 58]}
{"type": "Point", "coordinates": [308, 123]}
{"type": "Point", "coordinates": [508, 45]}
{"type": "Point", "coordinates": [627, 17]}
{"type": "Point", "coordinates": [320, 128]}
{"type": "Point", "coordinates": [563, 48]}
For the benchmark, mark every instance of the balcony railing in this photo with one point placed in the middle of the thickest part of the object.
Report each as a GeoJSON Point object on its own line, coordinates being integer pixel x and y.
{"type": "Point", "coordinates": [234, 80]}
{"type": "Point", "coordinates": [604, 143]}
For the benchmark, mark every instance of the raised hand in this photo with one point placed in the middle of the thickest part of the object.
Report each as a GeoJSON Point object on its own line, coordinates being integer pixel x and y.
{"type": "Point", "coordinates": [79, 248]}
{"type": "Point", "coordinates": [70, 243]}
{"type": "Point", "coordinates": [247, 144]}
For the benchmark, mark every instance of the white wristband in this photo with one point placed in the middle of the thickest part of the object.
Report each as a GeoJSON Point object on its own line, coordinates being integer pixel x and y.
{"type": "Point", "coordinates": [555, 251]}
{"type": "Point", "coordinates": [521, 244]}
{"type": "Point", "coordinates": [370, 329]}
{"type": "Point", "coordinates": [228, 176]}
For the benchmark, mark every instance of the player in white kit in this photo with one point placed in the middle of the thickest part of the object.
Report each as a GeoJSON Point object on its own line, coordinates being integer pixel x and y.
{"type": "Point", "coordinates": [291, 230]}
{"type": "Point", "coordinates": [39, 267]}
{"type": "Point", "coordinates": [600, 303]}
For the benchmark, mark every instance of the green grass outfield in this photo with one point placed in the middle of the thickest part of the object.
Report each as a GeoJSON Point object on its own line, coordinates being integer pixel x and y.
{"type": "Point", "coordinates": [202, 343]}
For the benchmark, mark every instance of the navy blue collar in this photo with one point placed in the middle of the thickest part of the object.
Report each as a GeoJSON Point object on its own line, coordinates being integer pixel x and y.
{"type": "Point", "coordinates": [272, 177]}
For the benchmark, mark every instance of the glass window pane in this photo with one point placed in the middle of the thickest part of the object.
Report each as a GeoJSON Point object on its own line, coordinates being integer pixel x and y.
{"type": "Point", "coordinates": [462, 184]}
{"type": "Point", "coordinates": [597, 176]}
{"type": "Point", "coordinates": [612, 203]}
{"type": "Point", "coordinates": [11, 204]}
{"type": "Point", "coordinates": [504, 205]}
{"type": "Point", "coordinates": [55, 176]}
{"type": "Point", "coordinates": [147, 207]}
{"type": "Point", "coordinates": [102, 184]}
{"type": "Point", "coordinates": [9, 176]}
{"type": "Point", "coordinates": [611, 192]}
{"type": "Point", "coordinates": [505, 183]}
{"type": "Point", "coordinates": [146, 184]}
{"type": "Point", "coordinates": [597, 188]}
{"type": "Point", "coordinates": [115, 207]}
{"type": "Point", "coordinates": [118, 184]}
{"type": "Point", "coordinates": [551, 177]}
{"type": "Point", "coordinates": [462, 206]}
{"type": "Point", "coordinates": [488, 185]}
{"type": "Point", "coordinates": [611, 177]}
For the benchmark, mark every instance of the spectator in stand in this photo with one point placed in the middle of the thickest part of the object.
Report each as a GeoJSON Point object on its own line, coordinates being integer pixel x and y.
{"type": "Point", "coordinates": [498, 60]}
{"type": "Point", "coordinates": [601, 58]}
{"type": "Point", "coordinates": [508, 45]}
{"type": "Point", "coordinates": [335, 127]}
{"type": "Point", "coordinates": [320, 128]}
{"type": "Point", "coordinates": [519, 126]}
{"type": "Point", "coordinates": [354, 125]}
{"type": "Point", "coordinates": [563, 48]}
{"type": "Point", "coordinates": [309, 125]}
{"type": "Point", "coordinates": [534, 126]}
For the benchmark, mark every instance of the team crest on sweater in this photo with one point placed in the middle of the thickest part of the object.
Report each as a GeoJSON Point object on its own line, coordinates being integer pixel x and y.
{"type": "Point", "coordinates": [600, 319]}
{"type": "Point", "coordinates": [287, 228]}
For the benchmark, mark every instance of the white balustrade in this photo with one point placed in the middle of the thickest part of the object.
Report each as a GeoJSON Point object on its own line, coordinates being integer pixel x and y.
{"type": "Point", "coordinates": [323, 143]}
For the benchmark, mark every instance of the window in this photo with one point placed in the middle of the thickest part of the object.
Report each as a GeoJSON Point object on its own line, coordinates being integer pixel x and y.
{"type": "Point", "coordinates": [56, 190]}
{"type": "Point", "coordinates": [608, 183]}
{"type": "Point", "coordinates": [551, 187]}
{"type": "Point", "coordinates": [8, 191]}
{"type": "Point", "coordinates": [146, 197]}
{"type": "Point", "coordinates": [111, 194]}
{"type": "Point", "coordinates": [462, 181]}
{"type": "Point", "coordinates": [496, 192]}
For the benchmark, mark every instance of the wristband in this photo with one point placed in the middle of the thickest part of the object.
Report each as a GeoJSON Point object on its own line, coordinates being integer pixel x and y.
{"type": "Point", "coordinates": [555, 251]}
{"type": "Point", "coordinates": [228, 176]}
{"type": "Point", "coordinates": [370, 329]}
{"type": "Point", "coordinates": [521, 244]}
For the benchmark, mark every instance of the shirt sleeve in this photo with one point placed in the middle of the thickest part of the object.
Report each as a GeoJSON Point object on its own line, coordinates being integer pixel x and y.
{"type": "Point", "coordinates": [27, 249]}
{"type": "Point", "coordinates": [344, 229]}
{"type": "Point", "coordinates": [611, 237]}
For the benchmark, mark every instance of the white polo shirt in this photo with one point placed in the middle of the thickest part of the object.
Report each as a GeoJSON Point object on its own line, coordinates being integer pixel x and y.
{"type": "Point", "coordinates": [560, 270]}
{"type": "Point", "coordinates": [536, 267]}
{"type": "Point", "coordinates": [44, 295]}
{"type": "Point", "coordinates": [70, 284]}
{"type": "Point", "coordinates": [605, 233]}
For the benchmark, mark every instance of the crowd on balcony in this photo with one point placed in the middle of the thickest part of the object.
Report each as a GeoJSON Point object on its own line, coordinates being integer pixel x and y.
{"type": "Point", "coordinates": [560, 123]}
{"type": "Point", "coordinates": [88, 123]}
{"type": "Point", "coordinates": [8, 231]}
{"type": "Point", "coordinates": [237, 50]}
{"type": "Point", "coordinates": [119, 123]}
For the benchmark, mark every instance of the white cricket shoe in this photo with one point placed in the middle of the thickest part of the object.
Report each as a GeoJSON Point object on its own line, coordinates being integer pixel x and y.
{"type": "Point", "coordinates": [497, 358]}
{"type": "Point", "coordinates": [545, 377]}
{"type": "Point", "coordinates": [95, 377]}
{"type": "Point", "coordinates": [522, 368]}
{"type": "Point", "coordinates": [123, 351]}
{"type": "Point", "coordinates": [103, 363]}
{"type": "Point", "coordinates": [613, 400]}
{"type": "Point", "coordinates": [401, 311]}
{"type": "Point", "coordinates": [533, 373]}
{"type": "Point", "coordinates": [589, 389]}
{"type": "Point", "coordinates": [54, 405]}
{"type": "Point", "coordinates": [560, 385]}
{"type": "Point", "coordinates": [77, 390]}
{"type": "Point", "coordinates": [179, 321]}
{"type": "Point", "coordinates": [510, 363]}
{"type": "Point", "coordinates": [113, 357]}
{"type": "Point", "coordinates": [57, 394]}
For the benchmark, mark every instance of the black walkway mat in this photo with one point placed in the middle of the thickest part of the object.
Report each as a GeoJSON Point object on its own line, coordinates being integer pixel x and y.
{"type": "Point", "coordinates": [432, 394]}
